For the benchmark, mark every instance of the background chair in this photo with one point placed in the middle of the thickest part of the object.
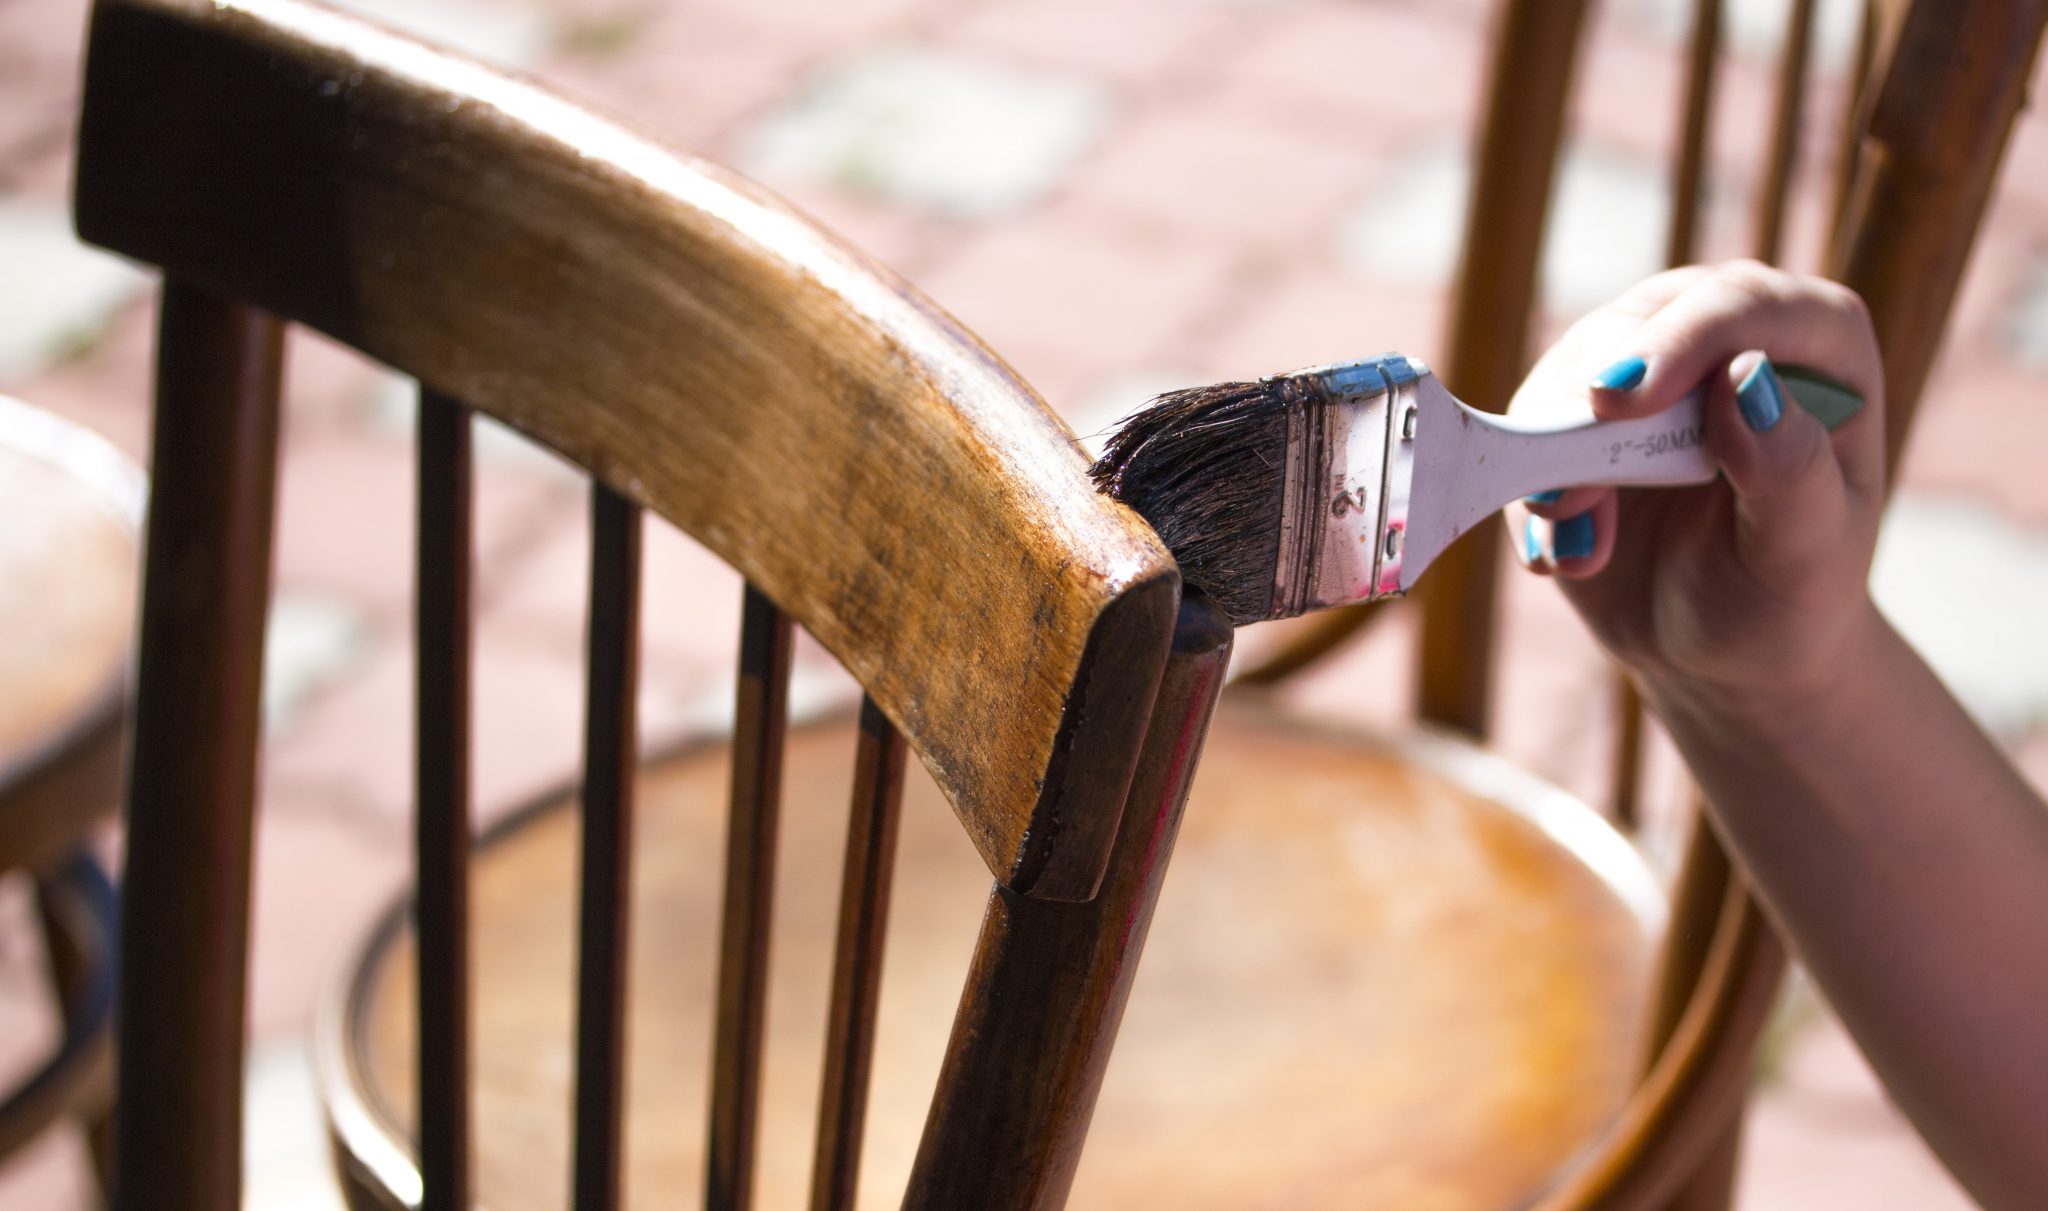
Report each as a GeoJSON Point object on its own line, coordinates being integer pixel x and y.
{"type": "Point", "coordinates": [67, 590]}
{"type": "Point", "coordinates": [709, 356]}
{"type": "Point", "coordinates": [1911, 181]}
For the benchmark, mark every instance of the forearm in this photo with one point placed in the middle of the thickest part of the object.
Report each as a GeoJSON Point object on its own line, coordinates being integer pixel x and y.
{"type": "Point", "coordinates": [1908, 863]}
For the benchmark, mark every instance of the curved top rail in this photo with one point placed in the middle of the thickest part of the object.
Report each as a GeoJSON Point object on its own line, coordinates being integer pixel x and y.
{"type": "Point", "coordinates": [689, 340]}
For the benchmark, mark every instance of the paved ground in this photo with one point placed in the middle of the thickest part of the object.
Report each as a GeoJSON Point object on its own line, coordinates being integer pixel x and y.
{"type": "Point", "coordinates": [1238, 187]}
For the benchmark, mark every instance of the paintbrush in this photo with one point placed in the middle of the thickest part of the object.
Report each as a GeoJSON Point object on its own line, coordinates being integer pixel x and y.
{"type": "Point", "coordinates": [1339, 484]}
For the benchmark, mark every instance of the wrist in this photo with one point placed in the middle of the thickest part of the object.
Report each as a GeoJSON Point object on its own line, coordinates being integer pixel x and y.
{"type": "Point", "coordinates": [1801, 695]}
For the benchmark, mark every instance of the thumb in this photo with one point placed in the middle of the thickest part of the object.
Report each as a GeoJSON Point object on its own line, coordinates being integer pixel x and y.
{"type": "Point", "coordinates": [1788, 483]}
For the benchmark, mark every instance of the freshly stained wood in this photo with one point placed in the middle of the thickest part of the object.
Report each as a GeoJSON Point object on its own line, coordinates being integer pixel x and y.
{"type": "Point", "coordinates": [1304, 1029]}
{"type": "Point", "coordinates": [879, 473]}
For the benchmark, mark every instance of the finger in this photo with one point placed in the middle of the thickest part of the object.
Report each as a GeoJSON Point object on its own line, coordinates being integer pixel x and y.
{"type": "Point", "coordinates": [1581, 545]}
{"type": "Point", "coordinates": [1572, 547]}
{"type": "Point", "coordinates": [1564, 502]}
{"type": "Point", "coordinates": [1787, 478]}
{"type": "Point", "coordinates": [1527, 539]}
{"type": "Point", "coordinates": [1555, 387]}
{"type": "Point", "coordinates": [1796, 320]}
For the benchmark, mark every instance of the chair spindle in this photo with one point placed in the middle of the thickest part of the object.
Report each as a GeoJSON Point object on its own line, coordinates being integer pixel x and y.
{"type": "Point", "coordinates": [1789, 111]}
{"type": "Point", "coordinates": [1536, 44]}
{"type": "Point", "coordinates": [608, 762]}
{"type": "Point", "coordinates": [1849, 132]}
{"type": "Point", "coordinates": [759, 724]}
{"type": "Point", "coordinates": [192, 767]}
{"type": "Point", "coordinates": [1051, 979]}
{"type": "Point", "coordinates": [1681, 247]}
{"type": "Point", "coordinates": [441, 815]}
{"type": "Point", "coordinates": [857, 962]}
{"type": "Point", "coordinates": [1689, 166]}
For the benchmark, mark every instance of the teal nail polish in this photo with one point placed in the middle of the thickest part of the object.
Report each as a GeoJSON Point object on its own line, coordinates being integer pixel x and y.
{"type": "Point", "coordinates": [1532, 547]}
{"type": "Point", "coordinates": [1622, 375]}
{"type": "Point", "coordinates": [1761, 398]}
{"type": "Point", "coordinates": [1545, 498]}
{"type": "Point", "coordinates": [1572, 538]}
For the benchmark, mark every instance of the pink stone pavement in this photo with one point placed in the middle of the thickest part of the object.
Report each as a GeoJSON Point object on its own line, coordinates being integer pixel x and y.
{"type": "Point", "coordinates": [1192, 238]}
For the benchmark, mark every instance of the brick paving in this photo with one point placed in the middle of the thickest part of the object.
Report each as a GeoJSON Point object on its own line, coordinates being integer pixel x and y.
{"type": "Point", "coordinates": [1175, 191]}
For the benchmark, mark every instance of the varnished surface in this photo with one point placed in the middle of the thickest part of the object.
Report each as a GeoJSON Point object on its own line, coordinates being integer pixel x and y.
{"type": "Point", "coordinates": [445, 563]}
{"type": "Point", "coordinates": [1049, 983]}
{"type": "Point", "coordinates": [760, 728]}
{"type": "Point", "coordinates": [70, 550]}
{"type": "Point", "coordinates": [68, 569]}
{"type": "Point", "coordinates": [1953, 79]}
{"type": "Point", "coordinates": [1364, 987]}
{"type": "Point", "coordinates": [823, 428]}
{"type": "Point", "coordinates": [610, 759]}
{"type": "Point", "coordinates": [192, 772]}
{"type": "Point", "coordinates": [872, 824]}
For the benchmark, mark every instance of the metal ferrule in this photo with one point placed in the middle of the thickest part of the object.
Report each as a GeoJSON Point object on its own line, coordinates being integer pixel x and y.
{"type": "Point", "coordinates": [1344, 508]}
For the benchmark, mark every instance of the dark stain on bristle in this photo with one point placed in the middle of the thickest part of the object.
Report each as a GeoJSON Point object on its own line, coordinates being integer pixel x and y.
{"type": "Point", "coordinates": [1206, 468]}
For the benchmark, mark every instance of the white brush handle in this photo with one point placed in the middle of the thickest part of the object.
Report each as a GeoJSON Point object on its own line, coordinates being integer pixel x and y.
{"type": "Point", "coordinates": [1466, 464]}
{"type": "Point", "coordinates": [1664, 449]}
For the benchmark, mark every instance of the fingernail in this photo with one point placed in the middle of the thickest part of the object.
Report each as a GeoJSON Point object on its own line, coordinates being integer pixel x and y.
{"type": "Point", "coordinates": [1622, 375]}
{"type": "Point", "coordinates": [1532, 546]}
{"type": "Point", "coordinates": [1545, 498]}
{"type": "Point", "coordinates": [1760, 397]}
{"type": "Point", "coordinates": [1572, 538]}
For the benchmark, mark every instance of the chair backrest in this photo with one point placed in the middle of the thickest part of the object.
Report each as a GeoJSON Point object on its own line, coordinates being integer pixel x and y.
{"type": "Point", "coordinates": [1932, 96]}
{"type": "Point", "coordinates": [876, 474]}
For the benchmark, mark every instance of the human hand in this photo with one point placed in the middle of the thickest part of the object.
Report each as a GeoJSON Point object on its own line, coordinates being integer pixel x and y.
{"type": "Point", "coordinates": [1752, 587]}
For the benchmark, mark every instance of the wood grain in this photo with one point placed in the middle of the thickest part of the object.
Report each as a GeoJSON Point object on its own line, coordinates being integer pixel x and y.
{"type": "Point", "coordinates": [1367, 984]}
{"type": "Point", "coordinates": [192, 779]}
{"type": "Point", "coordinates": [1935, 133]}
{"type": "Point", "coordinates": [818, 424]}
{"type": "Point", "coordinates": [1051, 981]}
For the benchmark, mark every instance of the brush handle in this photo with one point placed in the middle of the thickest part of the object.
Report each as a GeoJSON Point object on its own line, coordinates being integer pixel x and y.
{"type": "Point", "coordinates": [1464, 464]}
{"type": "Point", "coordinates": [1666, 449]}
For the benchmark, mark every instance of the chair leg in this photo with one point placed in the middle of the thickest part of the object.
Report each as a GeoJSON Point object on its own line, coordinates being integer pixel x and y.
{"type": "Point", "coordinates": [1712, 1185]}
{"type": "Point", "coordinates": [74, 974]}
{"type": "Point", "coordinates": [1033, 1035]}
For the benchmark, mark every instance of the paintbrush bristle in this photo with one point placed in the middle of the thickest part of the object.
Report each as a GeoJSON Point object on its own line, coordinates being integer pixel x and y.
{"type": "Point", "coordinates": [1206, 467]}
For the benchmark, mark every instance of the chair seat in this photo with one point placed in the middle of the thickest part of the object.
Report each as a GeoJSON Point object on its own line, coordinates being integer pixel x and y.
{"type": "Point", "coordinates": [72, 506]}
{"type": "Point", "coordinates": [1381, 975]}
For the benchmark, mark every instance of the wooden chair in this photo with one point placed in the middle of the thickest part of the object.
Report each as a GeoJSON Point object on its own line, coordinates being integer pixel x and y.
{"type": "Point", "coordinates": [1442, 998]}
{"type": "Point", "coordinates": [68, 562]}
{"type": "Point", "coordinates": [877, 476]}
{"type": "Point", "coordinates": [1933, 96]}
{"type": "Point", "coordinates": [1311, 939]}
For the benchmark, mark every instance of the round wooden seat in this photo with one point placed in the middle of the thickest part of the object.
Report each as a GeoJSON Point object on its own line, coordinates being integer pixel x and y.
{"type": "Point", "coordinates": [70, 522]}
{"type": "Point", "coordinates": [1380, 976]}
{"type": "Point", "coordinates": [68, 567]}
